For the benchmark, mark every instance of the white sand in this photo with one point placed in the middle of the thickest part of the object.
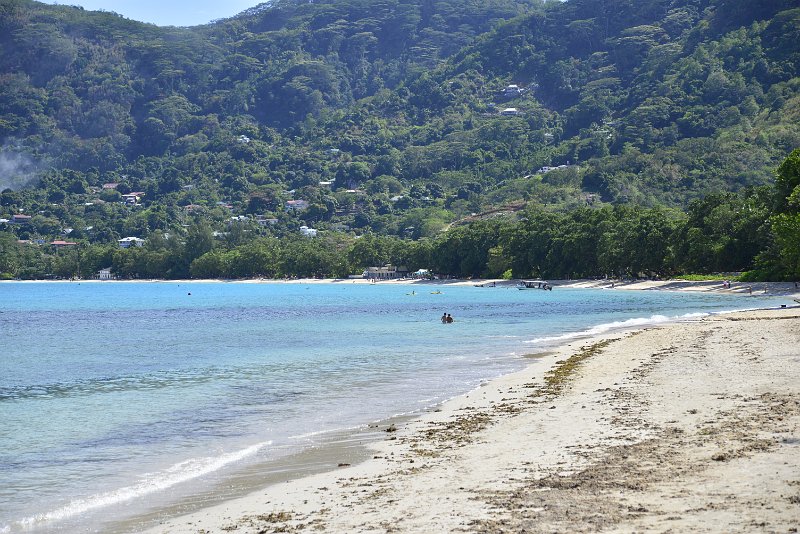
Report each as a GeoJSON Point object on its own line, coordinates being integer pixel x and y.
{"type": "Point", "coordinates": [692, 426]}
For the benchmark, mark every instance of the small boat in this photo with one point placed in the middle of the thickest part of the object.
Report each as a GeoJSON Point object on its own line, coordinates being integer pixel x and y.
{"type": "Point", "coordinates": [437, 292]}
{"type": "Point", "coordinates": [534, 284]}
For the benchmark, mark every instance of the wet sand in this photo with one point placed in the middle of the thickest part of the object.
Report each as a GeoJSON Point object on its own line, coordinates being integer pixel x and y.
{"type": "Point", "coordinates": [691, 426]}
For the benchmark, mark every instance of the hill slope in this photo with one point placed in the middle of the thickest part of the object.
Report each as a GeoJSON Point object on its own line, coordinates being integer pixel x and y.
{"type": "Point", "coordinates": [394, 105]}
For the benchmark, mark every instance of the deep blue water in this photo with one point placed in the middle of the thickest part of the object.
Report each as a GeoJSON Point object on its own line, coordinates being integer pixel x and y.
{"type": "Point", "coordinates": [112, 394]}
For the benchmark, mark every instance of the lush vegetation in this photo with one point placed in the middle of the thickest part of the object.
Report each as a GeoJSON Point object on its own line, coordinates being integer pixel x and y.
{"type": "Point", "coordinates": [721, 232]}
{"type": "Point", "coordinates": [644, 142]}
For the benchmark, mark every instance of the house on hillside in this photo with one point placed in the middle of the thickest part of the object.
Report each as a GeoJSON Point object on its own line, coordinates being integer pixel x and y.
{"type": "Point", "coordinates": [265, 221]}
{"type": "Point", "coordinates": [20, 219]}
{"type": "Point", "coordinates": [238, 219]}
{"type": "Point", "coordinates": [308, 232]}
{"type": "Point", "coordinates": [128, 242]}
{"type": "Point", "coordinates": [132, 198]}
{"type": "Point", "coordinates": [296, 205]}
{"type": "Point", "coordinates": [512, 91]}
{"type": "Point", "coordinates": [59, 244]}
{"type": "Point", "coordinates": [510, 112]}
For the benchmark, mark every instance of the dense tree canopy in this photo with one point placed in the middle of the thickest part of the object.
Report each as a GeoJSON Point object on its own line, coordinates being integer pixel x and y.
{"type": "Point", "coordinates": [544, 138]}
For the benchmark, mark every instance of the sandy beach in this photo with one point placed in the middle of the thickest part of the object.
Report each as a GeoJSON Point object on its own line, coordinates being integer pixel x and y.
{"type": "Point", "coordinates": [691, 426]}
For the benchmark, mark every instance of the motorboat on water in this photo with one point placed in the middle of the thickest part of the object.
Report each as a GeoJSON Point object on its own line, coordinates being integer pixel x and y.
{"type": "Point", "coordinates": [534, 284]}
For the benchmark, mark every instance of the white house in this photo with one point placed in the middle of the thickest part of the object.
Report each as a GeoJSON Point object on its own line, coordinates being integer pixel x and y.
{"type": "Point", "coordinates": [132, 198]}
{"type": "Point", "coordinates": [128, 242]}
{"type": "Point", "coordinates": [510, 112]}
{"type": "Point", "coordinates": [105, 274]}
{"type": "Point", "coordinates": [308, 232]}
{"type": "Point", "coordinates": [296, 205]}
{"type": "Point", "coordinates": [266, 221]}
{"type": "Point", "coordinates": [422, 274]}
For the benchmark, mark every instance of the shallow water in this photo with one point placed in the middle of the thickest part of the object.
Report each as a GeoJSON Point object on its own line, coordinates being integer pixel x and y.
{"type": "Point", "coordinates": [118, 398]}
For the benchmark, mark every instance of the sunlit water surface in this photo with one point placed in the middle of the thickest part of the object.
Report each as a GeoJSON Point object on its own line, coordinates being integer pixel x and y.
{"type": "Point", "coordinates": [119, 397]}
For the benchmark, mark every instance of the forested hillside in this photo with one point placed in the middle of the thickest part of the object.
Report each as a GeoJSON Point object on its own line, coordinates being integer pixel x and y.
{"type": "Point", "coordinates": [397, 128]}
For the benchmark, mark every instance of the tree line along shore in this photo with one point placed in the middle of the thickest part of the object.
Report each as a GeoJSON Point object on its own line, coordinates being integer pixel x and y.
{"type": "Point", "coordinates": [755, 232]}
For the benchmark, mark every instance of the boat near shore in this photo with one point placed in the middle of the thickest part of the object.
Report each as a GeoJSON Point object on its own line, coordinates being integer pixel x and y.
{"type": "Point", "coordinates": [534, 284]}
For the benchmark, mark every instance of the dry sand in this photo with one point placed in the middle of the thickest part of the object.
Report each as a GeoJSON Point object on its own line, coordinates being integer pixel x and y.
{"type": "Point", "coordinates": [685, 427]}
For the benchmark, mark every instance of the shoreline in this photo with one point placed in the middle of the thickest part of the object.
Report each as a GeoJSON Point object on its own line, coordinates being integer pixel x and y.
{"type": "Point", "coordinates": [772, 288]}
{"type": "Point", "coordinates": [501, 457]}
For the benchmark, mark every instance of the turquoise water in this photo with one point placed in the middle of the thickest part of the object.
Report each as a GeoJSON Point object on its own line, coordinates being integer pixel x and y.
{"type": "Point", "coordinates": [115, 396]}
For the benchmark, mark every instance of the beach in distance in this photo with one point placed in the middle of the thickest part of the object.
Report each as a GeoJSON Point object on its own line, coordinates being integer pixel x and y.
{"type": "Point", "coordinates": [346, 406]}
{"type": "Point", "coordinates": [688, 426]}
{"type": "Point", "coordinates": [775, 288]}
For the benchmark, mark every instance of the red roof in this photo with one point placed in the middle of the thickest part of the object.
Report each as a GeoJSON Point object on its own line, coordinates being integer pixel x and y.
{"type": "Point", "coordinates": [62, 243]}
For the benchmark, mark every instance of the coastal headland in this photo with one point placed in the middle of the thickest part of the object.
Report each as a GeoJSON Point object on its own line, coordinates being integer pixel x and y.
{"type": "Point", "coordinates": [691, 426]}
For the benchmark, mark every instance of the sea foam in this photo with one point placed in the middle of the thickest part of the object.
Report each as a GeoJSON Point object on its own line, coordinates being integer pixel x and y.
{"type": "Point", "coordinates": [149, 483]}
{"type": "Point", "coordinates": [616, 325]}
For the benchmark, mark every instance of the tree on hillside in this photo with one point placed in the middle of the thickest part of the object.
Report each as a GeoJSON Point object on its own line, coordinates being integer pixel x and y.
{"type": "Point", "coordinates": [786, 221]}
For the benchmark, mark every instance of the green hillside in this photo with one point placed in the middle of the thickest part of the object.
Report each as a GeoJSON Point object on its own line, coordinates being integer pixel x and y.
{"type": "Point", "coordinates": [409, 122]}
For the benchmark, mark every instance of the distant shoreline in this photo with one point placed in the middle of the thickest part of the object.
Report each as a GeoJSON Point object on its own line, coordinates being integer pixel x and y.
{"type": "Point", "coordinates": [746, 288]}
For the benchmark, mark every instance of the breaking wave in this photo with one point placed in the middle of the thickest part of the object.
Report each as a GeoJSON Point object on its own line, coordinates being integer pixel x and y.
{"type": "Point", "coordinates": [616, 325]}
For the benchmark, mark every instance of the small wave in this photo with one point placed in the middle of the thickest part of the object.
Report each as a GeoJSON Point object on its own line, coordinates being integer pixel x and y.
{"type": "Point", "coordinates": [328, 431]}
{"type": "Point", "coordinates": [616, 325]}
{"type": "Point", "coordinates": [150, 483]}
